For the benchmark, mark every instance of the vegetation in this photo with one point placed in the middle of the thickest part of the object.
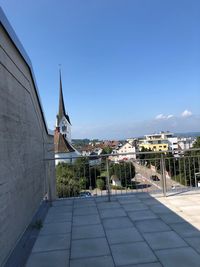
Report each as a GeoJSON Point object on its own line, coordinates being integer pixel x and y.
{"type": "Point", "coordinates": [106, 150]}
{"type": "Point", "coordinates": [180, 169]}
{"type": "Point", "coordinates": [149, 159]}
{"type": "Point", "coordinates": [124, 170]}
{"type": "Point", "coordinates": [71, 179]}
{"type": "Point", "coordinates": [117, 187]}
{"type": "Point", "coordinates": [80, 142]}
{"type": "Point", "coordinates": [67, 184]}
{"type": "Point", "coordinates": [100, 184]}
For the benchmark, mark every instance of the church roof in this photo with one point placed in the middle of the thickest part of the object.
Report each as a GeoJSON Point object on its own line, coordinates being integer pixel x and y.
{"type": "Point", "coordinates": [61, 145]}
{"type": "Point", "coordinates": [61, 112]}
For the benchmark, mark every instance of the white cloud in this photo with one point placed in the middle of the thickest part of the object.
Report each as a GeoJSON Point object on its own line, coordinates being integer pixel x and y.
{"type": "Point", "coordinates": [186, 113]}
{"type": "Point", "coordinates": [170, 116]}
{"type": "Point", "coordinates": [160, 117]}
{"type": "Point", "coordinates": [137, 128]}
{"type": "Point", "coordinates": [163, 117]}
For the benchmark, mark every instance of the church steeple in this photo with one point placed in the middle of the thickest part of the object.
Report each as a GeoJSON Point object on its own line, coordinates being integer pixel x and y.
{"type": "Point", "coordinates": [61, 112]}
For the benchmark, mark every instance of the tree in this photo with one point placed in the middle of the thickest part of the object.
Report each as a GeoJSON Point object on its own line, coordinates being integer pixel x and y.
{"type": "Point", "coordinates": [197, 143]}
{"type": "Point", "coordinates": [67, 185]}
{"type": "Point", "coordinates": [124, 170]}
{"type": "Point", "coordinates": [106, 150]}
{"type": "Point", "coordinates": [72, 178]}
{"type": "Point", "coordinates": [149, 159]}
{"type": "Point", "coordinates": [100, 184]}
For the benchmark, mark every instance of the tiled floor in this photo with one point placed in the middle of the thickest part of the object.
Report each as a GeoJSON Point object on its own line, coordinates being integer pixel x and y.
{"type": "Point", "coordinates": [136, 230]}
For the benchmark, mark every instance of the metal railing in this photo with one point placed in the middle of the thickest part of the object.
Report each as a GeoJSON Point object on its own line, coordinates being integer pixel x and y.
{"type": "Point", "coordinates": [111, 174]}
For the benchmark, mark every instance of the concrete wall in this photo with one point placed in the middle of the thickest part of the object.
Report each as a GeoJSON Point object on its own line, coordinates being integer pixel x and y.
{"type": "Point", "coordinates": [25, 178]}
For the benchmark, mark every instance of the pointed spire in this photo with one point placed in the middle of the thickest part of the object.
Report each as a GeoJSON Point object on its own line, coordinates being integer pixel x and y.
{"type": "Point", "coordinates": [61, 112]}
{"type": "Point", "coordinates": [61, 101]}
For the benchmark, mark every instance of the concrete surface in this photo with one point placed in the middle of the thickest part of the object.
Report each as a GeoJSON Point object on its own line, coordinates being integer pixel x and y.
{"type": "Point", "coordinates": [25, 178]}
{"type": "Point", "coordinates": [162, 233]}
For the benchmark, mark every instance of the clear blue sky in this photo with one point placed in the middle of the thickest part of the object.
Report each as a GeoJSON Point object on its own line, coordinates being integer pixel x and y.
{"type": "Point", "coordinates": [124, 62]}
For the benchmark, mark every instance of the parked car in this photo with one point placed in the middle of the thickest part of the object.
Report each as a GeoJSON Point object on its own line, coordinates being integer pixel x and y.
{"type": "Point", "coordinates": [154, 178]}
{"type": "Point", "coordinates": [85, 194]}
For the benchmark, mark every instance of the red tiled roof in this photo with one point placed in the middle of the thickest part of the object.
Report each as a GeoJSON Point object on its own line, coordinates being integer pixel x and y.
{"type": "Point", "coordinates": [61, 145]}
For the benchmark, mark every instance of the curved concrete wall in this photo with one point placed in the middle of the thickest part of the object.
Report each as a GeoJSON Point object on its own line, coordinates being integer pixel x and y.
{"type": "Point", "coordinates": [25, 177]}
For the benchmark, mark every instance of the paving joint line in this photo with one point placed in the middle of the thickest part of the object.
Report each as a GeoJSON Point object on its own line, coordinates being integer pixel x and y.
{"type": "Point", "coordinates": [106, 237]}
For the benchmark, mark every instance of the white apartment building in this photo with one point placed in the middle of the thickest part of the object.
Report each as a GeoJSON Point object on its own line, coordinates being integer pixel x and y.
{"type": "Point", "coordinates": [162, 141]}
{"type": "Point", "coordinates": [185, 142]}
{"type": "Point", "coordinates": [126, 148]}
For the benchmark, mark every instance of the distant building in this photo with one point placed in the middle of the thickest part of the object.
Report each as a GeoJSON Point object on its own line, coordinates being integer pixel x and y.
{"type": "Point", "coordinates": [126, 148]}
{"type": "Point", "coordinates": [162, 141]}
{"type": "Point", "coordinates": [185, 142]}
{"type": "Point", "coordinates": [155, 142]}
{"type": "Point", "coordinates": [94, 159]}
{"type": "Point", "coordinates": [64, 150]}
{"type": "Point", "coordinates": [115, 180]}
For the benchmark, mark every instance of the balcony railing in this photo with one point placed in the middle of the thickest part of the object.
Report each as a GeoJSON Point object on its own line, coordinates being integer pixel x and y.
{"type": "Point", "coordinates": [158, 172]}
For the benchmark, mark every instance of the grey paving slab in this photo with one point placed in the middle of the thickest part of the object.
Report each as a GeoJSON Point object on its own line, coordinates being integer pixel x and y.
{"type": "Point", "coordinates": [160, 209]}
{"type": "Point", "coordinates": [114, 223]}
{"type": "Point", "coordinates": [49, 259]}
{"type": "Point", "coordinates": [150, 202]}
{"type": "Point", "coordinates": [123, 235]}
{"type": "Point", "coordinates": [126, 197]}
{"type": "Point", "coordinates": [129, 201]}
{"type": "Point", "coordinates": [102, 199]}
{"type": "Point", "coordinates": [59, 217]}
{"type": "Point", "coordinates": [171, 218]}
{"type": "Point", "coordinates": [64, 208]}
{"type": "Point", "coordinates": [102, 261]}
{"type": "Point", "coordinates": [132, 253]}
{"type": "Point", "coordinates": [135, 206]}
{"type": "Point", "coordinates": [110, 213]}
{"type": "Point", "coordinates": [184, 257]}
{"type": "Point", "coordinates": [88, 231]}
{"type": "Point", "coordinates": [56, 228]}
{"type": "Point", "coordinates": [89, 248]}
{"type": "Point", "coordinates": [143, 195]}
{"type": "Point", "coordinates": [149, 264]}
{"type": "Point", "coordinates": [162, 240]}
{"type": "Point", "coordinates": [86, 210]}
{"type": "Point", "coordinates": [62, 202]}
{"type": "Point", "coordinates": [52, 242]}
{"type": "Point", "coordinates": [60, 209]}
{"type": "Point", "coordinates": [152, 225]}
{"type": "Point", "coordinates": [142, 215]}
{"type": "Point", "coordinates": [108, 205]}
{"type": "Point", "coordinates": [147, 219]}
{"type": "Point", "coordinates": [194, 242]}
{"type": "Point", "coordinates": [185, 229]}
{"type": "Point", "coordinates": [86, 220]}
{"type": "Point", "coordinates": [84, 203]}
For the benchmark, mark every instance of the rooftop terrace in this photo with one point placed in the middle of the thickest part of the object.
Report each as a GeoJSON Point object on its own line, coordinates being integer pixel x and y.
{"type": "Point", "coordinates": [133, 230]}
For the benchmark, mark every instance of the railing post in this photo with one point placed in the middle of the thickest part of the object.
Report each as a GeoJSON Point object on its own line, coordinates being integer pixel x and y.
{"type": "Point", "coordinates": [108, 179]}
{"type": "Point", "coordinates": [163, 174]}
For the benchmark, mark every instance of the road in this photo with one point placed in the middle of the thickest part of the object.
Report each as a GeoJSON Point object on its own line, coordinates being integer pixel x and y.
{"type": "Point", "coordinates": [143, 172]}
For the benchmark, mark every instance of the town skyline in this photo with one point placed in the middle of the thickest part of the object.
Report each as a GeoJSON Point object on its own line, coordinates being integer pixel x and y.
{"type": "Point", "coordinates": [127, 69]}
